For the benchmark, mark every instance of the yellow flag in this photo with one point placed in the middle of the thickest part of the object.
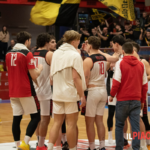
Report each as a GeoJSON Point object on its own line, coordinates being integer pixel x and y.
{"type": "Point", "coordinates": [124, 8]}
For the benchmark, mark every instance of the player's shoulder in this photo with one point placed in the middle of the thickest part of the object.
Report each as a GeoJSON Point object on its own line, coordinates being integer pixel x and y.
{"type": "Point", "coordinates": [144, 62]}
{"type": "Point", "coordinates": [97, 57]}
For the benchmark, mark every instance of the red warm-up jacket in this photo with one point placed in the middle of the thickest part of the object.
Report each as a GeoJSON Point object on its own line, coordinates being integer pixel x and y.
{"type": "Point", "coordinates": [129, 80]}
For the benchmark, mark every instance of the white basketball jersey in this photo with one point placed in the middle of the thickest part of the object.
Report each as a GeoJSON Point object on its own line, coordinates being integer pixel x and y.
{"type": "Point", "coordinates": [44, 90]}
{"type": "Point", "coordinates": [98, 71]}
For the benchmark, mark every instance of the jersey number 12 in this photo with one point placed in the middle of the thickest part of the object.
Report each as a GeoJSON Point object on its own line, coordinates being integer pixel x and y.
{"type": "Point", "coordinates": [13, 59]}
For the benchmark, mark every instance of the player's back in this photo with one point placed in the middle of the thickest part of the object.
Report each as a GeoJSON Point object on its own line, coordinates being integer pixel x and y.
{"type": "Point", "coordinates": [98, 70]}
{"type": "Point", "coordinates": [18, 63]}
{"type": "Point", "coordinates": [44, 89]}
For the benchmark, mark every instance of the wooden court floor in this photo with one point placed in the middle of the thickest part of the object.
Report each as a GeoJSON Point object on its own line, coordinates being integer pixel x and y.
{"type": "Point", "coordinates": [7, 117]}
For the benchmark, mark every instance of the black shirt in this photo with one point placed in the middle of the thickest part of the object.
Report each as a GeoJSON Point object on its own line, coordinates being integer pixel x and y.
{"type": "Point", "coordinates": [84, 38]}
{"type": "Point", "coordinates": [136, 32]}
{"type": "Point", "coordinates": [128, 35]}
{"type": "Point", "coordinates": [145, 40]}
{"type": "Point", "coordinates": [105, 43]}
{"type": "Point", "coordinates": [121, 33]}
{"type": "Point", "coordinates": [147, 22]}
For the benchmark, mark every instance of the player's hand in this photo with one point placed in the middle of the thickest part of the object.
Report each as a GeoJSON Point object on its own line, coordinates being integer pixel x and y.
{"type": "Point", "coordinates": [40, 67]}
{"type": "Point", "coordinates": [83, 101]}
{"type": "Point", "coordinates": [141, 30]}
{"type": "Point", "coordinates": [110, 99]}
{"type": "Point", "coordinates": [142, 106]}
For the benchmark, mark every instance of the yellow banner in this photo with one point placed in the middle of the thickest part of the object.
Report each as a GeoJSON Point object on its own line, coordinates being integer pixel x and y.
{"type": "Point", "coordinates": [124, 8]}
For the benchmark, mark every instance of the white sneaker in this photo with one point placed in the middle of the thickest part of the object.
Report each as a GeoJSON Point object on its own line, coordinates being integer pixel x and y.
{"type": "Point", "coordinates": [130, 148]}
{"type": "Point", "coordinates": [110, 141]}
{"type": "Point", "coordinates": [143, 148]}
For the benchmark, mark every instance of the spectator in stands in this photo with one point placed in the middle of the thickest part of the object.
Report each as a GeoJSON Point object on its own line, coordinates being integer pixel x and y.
{"type": "Point", "coordinates": [12, 43]}
{"type": "Point", "coordinates": [128, 33]}
{"type": "Point", "coordinates": [104, 24]}
{"type": "Point", "coordinates": [146, 40]}
{"type": "Point", "coordinates": [94, 32]}
{"type": "Point", "coordinates": [147, 23]}
{"type": "Point", "coordinates": [137, 32]}
{"type": "Point", "coordinates": [112, 27]}
{"type": "Point", "coordinates": [105, 37]}
{"type": "Point", "coordinates": [119, 30]}
{"type": "Point", "coordinates": [143, 19]}
{"type": "Point", "coordinates": [85, 35]}
{"type": "Point", "coordinates": [4, 38]}
{"type": "Point", "coordinates": [111, 44]}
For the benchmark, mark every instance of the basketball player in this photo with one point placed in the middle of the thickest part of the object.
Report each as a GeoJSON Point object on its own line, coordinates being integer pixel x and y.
{"type": "Point", "coordinates": [43, 90]}
{"type": "Point", "coordinates": [69, 85]}
{"type": "Point", "coordinates": [52, 44]}
{"type": "Point", "coordinates": [144, 123]}
{"type": "Point", "coordinates": [21, 70]}
{"type": "Point", "coordinates": [118, 41]}
{"type": "Point", "coordinates": [94, 69]}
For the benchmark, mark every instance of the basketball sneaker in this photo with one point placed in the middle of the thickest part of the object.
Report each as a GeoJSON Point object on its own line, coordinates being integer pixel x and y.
{"type": "Point", "coordinates": [110, 141]}
{"type": "Point", "coordinates": [65, 146]}
{"type": "Point", "coordinates": [24, 146]}
{"type": "Point", "coordinates": [126, 142]}
{"type": "Point", "coordinates": [143, 148]}
{"type": "Point", "coordinates": [41, 148]}
{"type": "Point", "coordinates": [103, 148]}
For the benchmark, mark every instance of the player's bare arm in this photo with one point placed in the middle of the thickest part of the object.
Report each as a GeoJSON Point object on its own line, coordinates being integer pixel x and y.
{"type": "Point", "coordinates": [147, 67]}
{"type": "Point", "coordinates": [87, 66]}
{"type": "Point", "coordinates": [78, 84]}
{"type": "Point", "coordinates": [49, 57]}
{"type": "Point", "coordinates": [36, 72]}
{"type": "Point", "coordinates": [110, 58]}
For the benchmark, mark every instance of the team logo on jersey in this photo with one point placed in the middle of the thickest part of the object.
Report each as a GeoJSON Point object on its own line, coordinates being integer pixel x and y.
{"type": "Point", "coordinates": [32, 62]}
{"type": "Point", "coordinates": [99, 57]}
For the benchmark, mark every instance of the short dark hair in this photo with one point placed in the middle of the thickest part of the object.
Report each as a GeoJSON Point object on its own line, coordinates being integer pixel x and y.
{"type": "Point", "coordinates": [137, 46]}
{"type": "Point", "coordinates": [59, 43]}
{"type": "Point", "coordinates": [42, 39]}
{"type": "Point", "coordinates": [129, 40]}
{"type": "Point", "coordinates": [95, 42]}
{"type": "Point", "coordinates": [118, 39]}
{"type": "Point", "coordinates": [23, 36]}
{"type": "Point", "coordinates": [52, 37]}
{"type": "Point", "coordinates": [128, 48]}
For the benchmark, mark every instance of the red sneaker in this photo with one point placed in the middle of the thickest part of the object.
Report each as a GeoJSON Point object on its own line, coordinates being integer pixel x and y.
{"type": "Point", "coordinates": [41, 148]}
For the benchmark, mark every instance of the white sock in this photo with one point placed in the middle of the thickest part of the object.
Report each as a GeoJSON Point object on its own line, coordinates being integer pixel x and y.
{"type": "Point", "coordinates": [58, 147]}
{"type": "Point", "coordinates": [109, 134]}
{"type": "Point", "coordinates": [101, 144]}
{"type": "Point", "coordinates": [64, 138]}
{"type": "Point", "coordinates": [92, 145]}
{"type": "Point", "coordinates": [142, 143]}
{"type": "Point", "coordinates": [50, 146]}
{"type": "Point", "coordinates": [125, 135]}
{"type": "Point", "coordinates": [75, 148]}
{"type": "Point", "coordinates": [37, 138]}
{"type": "Point", "coordinates": [41, 141]}
{"type": "Point", "coordinates": [131, 143]}
{"type": "Point", "coordinates": [17, 143]}
{"type": "Point", "coordinates": [148, 142]}
{"type": "Point", "coordinates": [27, 139]}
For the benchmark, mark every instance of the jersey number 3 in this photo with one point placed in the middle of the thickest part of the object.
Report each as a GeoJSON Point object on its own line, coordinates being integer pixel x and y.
{"type": "Point", "coordinates": [13, 59]}
{"type": "Point", "coordinates": [101, 65]}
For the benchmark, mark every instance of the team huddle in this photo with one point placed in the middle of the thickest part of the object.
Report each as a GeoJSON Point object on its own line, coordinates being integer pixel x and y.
{"type": "Point", "coordinates": [48, 83]}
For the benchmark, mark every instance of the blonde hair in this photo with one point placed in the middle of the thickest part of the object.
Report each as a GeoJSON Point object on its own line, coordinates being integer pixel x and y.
{"type": "Point", "coordinates": [70, 36]}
